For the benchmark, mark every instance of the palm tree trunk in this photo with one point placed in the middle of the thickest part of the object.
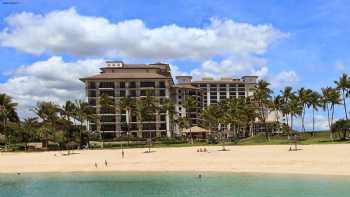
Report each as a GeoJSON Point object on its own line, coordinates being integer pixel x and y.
{"type": "Point", "coordinates": [128, 126]}
{"type": "Point", "coordinates": [313, 121]}
{"type": "Point", "coordinates": [291, 123]}
{"type": "Point", "coordinates": [303, 119]}
{"type": "Point", "coordinates": [329, 123]}
{"type": "Point", "coordinates": [344, 103]}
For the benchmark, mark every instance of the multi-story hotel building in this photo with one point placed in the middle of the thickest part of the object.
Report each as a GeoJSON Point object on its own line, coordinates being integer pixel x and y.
{"type": "Point", "coordinates": [119, 80]}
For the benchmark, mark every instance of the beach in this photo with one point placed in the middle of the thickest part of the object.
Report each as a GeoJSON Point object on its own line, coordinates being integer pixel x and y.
{"type": "Point", "coordinates": [332, 159]}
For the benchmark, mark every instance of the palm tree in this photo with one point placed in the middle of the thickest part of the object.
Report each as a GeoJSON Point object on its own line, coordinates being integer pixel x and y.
{"type": "Point", "coordinates": [295, 109]}
{"type": "Point", "coordinates": [343, 84]}
{"type": "Point", "coordinates": [315, 104]}
{"type": "Point", "coordinates": [276, 106]}
{"type": "Point", "coordinates": [287, 94]}
{"type": "Point", "coordinates": [127, 104]}
{"type": "Point", "coordinates": [106, 103]}
{"type": "Point", "coordinates": [262, 96]}
{"type": "Point", "coordinates": [48, 112]}
{"type": "Point", "coordinates": [152, 107]}
{"type": "Point", "coordinates": [7, 114]}
{"type": "Point", "coordinates": [190, 104]}
{"type": "Point", "coordinates": [68, 110]}
{"type": "Point", "coordinates": [304, 96]}
{"type": "Point", "coordinates": [83, 112]}
{"type": "Point", "coordinates": [183, 123]}
{"type": "Point", "coordinates": [29, 127]}
{"type": "Point", "coordinates": [330, 98]}
{"type": "Point", "coordinates": [169, 106]}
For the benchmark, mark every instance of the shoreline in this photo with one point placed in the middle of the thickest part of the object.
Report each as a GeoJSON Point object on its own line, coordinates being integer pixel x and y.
{"type": "Point", "coordinates": [324, 160]}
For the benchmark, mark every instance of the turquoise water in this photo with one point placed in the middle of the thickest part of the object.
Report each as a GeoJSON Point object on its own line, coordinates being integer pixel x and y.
{"type": "Point", "coordinates": [171, 185]}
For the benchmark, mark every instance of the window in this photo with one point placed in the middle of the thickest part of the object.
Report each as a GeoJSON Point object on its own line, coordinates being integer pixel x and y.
{"type": "Point", "coordinates": [92, 85]}
{"type": "Point", "coordinates": [132, 93]}
{"type": "Point", "coordinates": [161, 92]}
{"type": "Point", "coordinates": [106, 110]}
{"type": "Point", "coordinates": [147, 84]}
{"type": "Point", "coordinates": [122, 93]}
{"type": "Point", "coordinates": [161, 84]}
{"type": "Point", "coordinates": [132, 84]}
{"type": "Point", "coordinates": [163, 118]}
{"type": "Point", "coordinates": [92, 102]}
{"type": "Point", "coordinates": [122, 84]}
{"type": "Point", "coordinates": [106, 84]}
{"type": "Point", "coordinates": [163, 126]}
{"type": "Point", "coordinates": [92, 93]}
{"type": "Point", "coordinates": [108, 127]}
{"type": "Point", "coordinates": [108, 118]}
{"type": "Point", "coordinates": [93, 127]}
{"type": "Point", "coordinates": [107, 92]}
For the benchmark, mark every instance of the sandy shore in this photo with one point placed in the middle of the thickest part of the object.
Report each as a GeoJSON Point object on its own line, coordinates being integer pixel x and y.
{"type": "Point", "coordinates": [312, 159]}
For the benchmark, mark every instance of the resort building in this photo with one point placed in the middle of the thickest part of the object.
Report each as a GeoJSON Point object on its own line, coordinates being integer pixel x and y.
{"type": "Point", "coordinates": [118, 80]}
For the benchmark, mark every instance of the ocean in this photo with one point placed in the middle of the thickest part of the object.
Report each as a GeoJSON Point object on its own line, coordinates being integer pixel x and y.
{"type": "Point", "coordinates": [172, 185]}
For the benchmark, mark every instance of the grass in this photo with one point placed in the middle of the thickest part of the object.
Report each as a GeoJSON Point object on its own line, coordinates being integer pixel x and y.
{"type": "Point", "coordinates": [305, 139]}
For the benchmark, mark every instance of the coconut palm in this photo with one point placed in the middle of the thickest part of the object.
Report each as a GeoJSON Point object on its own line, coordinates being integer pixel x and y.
{"type": "Point", "coordinates": [190, 104]}
{"type": "Point", "coordinates": [304, 96]}
{"type": "Point", "coordinates": [83, 112]}
{"type": "Point", "coordinates": [7, 114]}
{"type": "Point", "coordinates": [48, 112]}
{"type": "Point", "coordinates": [287, 94]}
{"type": "Point", "coordinates": [343, 85]}
{"type": "Point", "coordinates": [128, 105]}
{"type": "Point", "coordinates": [276, 106]}
{"type": "Point", "coordinates": [330, 98]}
{"type": "Point", "coordinates": [262, 99]}
{"type": "Point", "coordinates": [29, 127]}
{"type": "Point", "coordinates": [315, 104]}
{"type": "Point", "coordinates": [295, 108]}
{"type": "Point", "coordinates": [169, 106]}
{"type": "Point", "coordinates": [107, 104]}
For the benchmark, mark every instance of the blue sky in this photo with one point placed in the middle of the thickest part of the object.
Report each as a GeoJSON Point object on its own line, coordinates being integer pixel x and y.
{"type": "Point", "coordinates": [311, 49]}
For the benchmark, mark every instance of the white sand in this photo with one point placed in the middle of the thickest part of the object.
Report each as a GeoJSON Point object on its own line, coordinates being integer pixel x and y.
{"type": "Point", "coordinates": [312, 159]}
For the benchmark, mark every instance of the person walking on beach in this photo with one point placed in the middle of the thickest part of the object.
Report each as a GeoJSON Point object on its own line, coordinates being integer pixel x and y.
{"type": "Point", "coordinates": [106, 164]}
{"type": "Point", "coordinates": [95, 165]}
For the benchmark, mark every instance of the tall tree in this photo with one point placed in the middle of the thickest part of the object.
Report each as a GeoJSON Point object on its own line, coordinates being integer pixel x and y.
{"type": "Point", "coordinates": [330, 98]}
{"type": "Point", "coordinates": [49, 113]}
{"type": "Point", "coordinates": [315, 104]}
{"type": "Point", "coordinates": [343, 85]}
{"type": "Point", "coordinates": [83, 112]}
{"type": "Point", "coordinates": [295, 109]}
{"type": "Point", "coordinates": [190, 105]}
{"type": "Point", "coordinates": [169, 106]}
{"type": "Point", "coordinates": [262, 98]}
{"type": "Point", "coordinates": [106, 105]}
{"type": "Point", "coordinates": [287, 94]}
{"type": "Point", "coordinates": [128, 105]}
{"type": "Point", "coordinates": [304, 96]}
{"type": "Point", "coordinates": [7, 114]}
{"type": "Point", "coordinates": [29, 128]}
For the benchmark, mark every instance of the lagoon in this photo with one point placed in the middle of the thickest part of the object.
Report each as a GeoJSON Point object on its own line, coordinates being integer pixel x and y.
{"type": "Point", "coordinates": [172, 185]}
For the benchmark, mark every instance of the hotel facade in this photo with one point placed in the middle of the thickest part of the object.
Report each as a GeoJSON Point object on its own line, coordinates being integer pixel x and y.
{"type": "Point", "coordinates": [118, 80]}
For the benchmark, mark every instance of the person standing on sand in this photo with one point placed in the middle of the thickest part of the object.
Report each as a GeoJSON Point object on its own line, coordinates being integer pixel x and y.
{"type": "Point", "coordinates": [106, 164]}
{"type": "Point", "coordinates": [122, 154]}
{"type": "Point", "coordinates": [95, 165]}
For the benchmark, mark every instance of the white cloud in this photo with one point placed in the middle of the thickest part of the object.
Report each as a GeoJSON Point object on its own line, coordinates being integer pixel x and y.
{"type": "Point", "coordinates": [283, 79]}
{"type": "Point", "coordinates": [339, 67]}
{"type": "Point", "coordinates": [68, 32]}
{"type": "Point", "coordinates": [50, 80]}
{"type": "Point", "coordinates": [232, 67]}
